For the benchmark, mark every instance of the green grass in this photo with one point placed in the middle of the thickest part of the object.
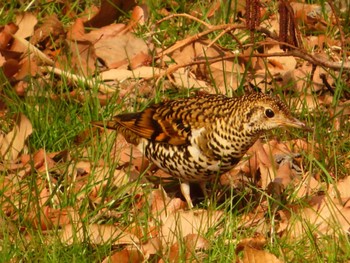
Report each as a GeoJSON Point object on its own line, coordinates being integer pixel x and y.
{"type": "Point", "coordinates": [58, 122]}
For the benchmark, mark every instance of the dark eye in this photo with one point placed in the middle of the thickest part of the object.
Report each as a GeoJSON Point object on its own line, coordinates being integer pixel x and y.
{"type": "Point", "coordinates": [269, 113]}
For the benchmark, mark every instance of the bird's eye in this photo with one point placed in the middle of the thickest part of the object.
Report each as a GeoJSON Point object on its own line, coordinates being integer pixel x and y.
{"type": "Point", "coordinates": [269, 113]}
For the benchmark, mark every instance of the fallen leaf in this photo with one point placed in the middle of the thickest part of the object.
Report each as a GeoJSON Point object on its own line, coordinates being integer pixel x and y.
{"type": "Point", "coordinates": [96, 234]}
{"type": "Point", "coordinates": [116, 51]}
{"type": "Point", "coordinates": [252, 255]}
{"type": "Point", "coordinates": [190, 245]}
{"type": "Point", "coordinates": [257, 242]}
{"type": "Point", "coordinates": [110, 10]}
{"type": "Point", "coordinates": [49, 30]}
{"type": "Point", "coordinates": [143, 72]}
{"type": "Point", "coordinates": [183, 223]}
{"type": "Point", "coordinates": [126, 255]}
{"type": "Point", "coordinates": [340, 189]}
{"type": "Point", "coordinates": [6, 35]}
{"type": "Point", "coordinates": [26, 22]}
{"type": "Point", "coordinates": [161, 203]}
{"type": "Point", "coordinates": [13, 142]}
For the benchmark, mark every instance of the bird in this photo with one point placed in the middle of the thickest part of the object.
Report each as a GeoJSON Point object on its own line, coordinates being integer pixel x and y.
{"type": "Point", "coordinates": [196, 139]}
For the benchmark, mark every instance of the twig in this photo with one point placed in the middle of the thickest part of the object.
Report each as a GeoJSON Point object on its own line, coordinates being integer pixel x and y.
{"type": "Point", "coordinates": [191, 39]}
{"type": "Point", "coordinates": [34, 50]}
{"type": "Point", "coordinates": [228, 29]}
{"type": "Point", "coordinates": [292, 53]}
{"type": "Point", "coordinates": [325, 82]}
{"type": "Point", "coordinates": [341, 32]}
{"type": "Point", "coordinates": [77, 78]}
{"type": "Point", "coordinates": [187, 16]}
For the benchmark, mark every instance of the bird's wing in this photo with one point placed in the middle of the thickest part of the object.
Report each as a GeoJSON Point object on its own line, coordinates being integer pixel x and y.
{"type": "Point", "coordinates": [172, 121]}
{"type": "Point", "coordinates": [146, 125]}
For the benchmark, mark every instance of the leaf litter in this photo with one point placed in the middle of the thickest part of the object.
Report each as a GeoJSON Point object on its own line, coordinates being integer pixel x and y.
{"type": "Point", "coordinates": [110, 55]}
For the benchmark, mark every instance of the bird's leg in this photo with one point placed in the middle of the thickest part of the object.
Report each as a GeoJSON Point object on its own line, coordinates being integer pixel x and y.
{"type": "Point", "coordinates": [185, 190]}
{"type": "Point", "coordinates": [203, 186]}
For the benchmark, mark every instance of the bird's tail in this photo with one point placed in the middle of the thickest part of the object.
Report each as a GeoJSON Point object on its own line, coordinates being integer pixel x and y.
{"type": "Point", "coordinates": [129, 135]}
{"type": "Point", "coordinates": [107, 124]}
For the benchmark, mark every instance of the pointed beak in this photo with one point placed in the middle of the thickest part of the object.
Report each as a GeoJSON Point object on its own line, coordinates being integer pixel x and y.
{"type": "Point", "coordinates": [293, 122]}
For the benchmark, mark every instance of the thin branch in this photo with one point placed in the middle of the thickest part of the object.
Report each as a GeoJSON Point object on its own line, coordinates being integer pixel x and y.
{"type": "Point", "coordinates": [77, 78]}
{"type": "Point", "coordinates": [314, 59]}
{"type": "Point", "coordinates": [191, 39]}
{"type": "Point", "coordinates": [341, 32]}
{"type": "Point", "coordinates": [187, 16]}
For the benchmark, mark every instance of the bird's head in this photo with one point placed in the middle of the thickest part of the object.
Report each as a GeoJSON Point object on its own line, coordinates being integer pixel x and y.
{"type": "Point", "coordinates": [264, 113]}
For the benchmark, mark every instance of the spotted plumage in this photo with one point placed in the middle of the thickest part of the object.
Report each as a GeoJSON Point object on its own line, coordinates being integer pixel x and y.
{"type": "Point", "coordinates": [196, 139]}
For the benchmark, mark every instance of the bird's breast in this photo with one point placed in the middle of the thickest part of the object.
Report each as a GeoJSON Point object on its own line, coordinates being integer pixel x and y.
{"type": "Point", "coordinates": [192, 161]}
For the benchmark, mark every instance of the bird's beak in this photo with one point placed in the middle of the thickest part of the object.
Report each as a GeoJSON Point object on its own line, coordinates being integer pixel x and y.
{"type": "Point", "coordinates": [293, 122]}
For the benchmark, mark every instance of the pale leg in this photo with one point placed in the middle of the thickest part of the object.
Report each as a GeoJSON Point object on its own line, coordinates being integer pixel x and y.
{"type": "Point", "coordinates": [185, 190]}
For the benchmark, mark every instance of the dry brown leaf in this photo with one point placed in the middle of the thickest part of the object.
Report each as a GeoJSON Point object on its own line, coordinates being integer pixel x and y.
{"type": "Point", "coordinates": [161, 203]}
{"type": "Point", "coordinates": [183, 223]}
{"type": "Point", "coordinates": [6, 35]}
{"type": "Point", "coordinates": [30, 49]}
{"type": "Point", "coordinates": [191, 243]}
{"type": "Point", "coordinates": [280, 65]}
{"type": "Point", "coordinates": [310, 15]}
{"type": "Point", "coordinates": [83, 57]}
{"type": "Point", "coordinates": [151, 247]}
{"type": "Point", "coordinates": [314, 42]}
{"type": "Point", "coordinates": [213, 8]}
{"type": "Point", "coordinates": [224, 73]}
{"type": "Point", "coordinates": [13, 142]}
{"type": "Point", "coordinates": [183, 79]}
{"type": "Point", "coordinates": [306, 101]}
{"type": "Point", "coordinates": [137, 17]}
{"type": "Point", "coordinates": [126, 255]}
{"type": "Point", "coordinates": [279, 148]}
{"type": "Point", "coordinates": [264, 152]}
{"type": "Point", "coordinates": [109, 11]}
{"type": "Point", "coordinates": [10, 67]}
{"type": "Point", "coordinates": [341, 114]}
{"type": "Point", "coordinates": [257, 242]}
{"type": "Point", "coordinates": [104, 33]}
{"type": "Point", "coordinates": [326, 216]}
{"type": "Point", "coordinates": [117, 51]}
{"type": "Point", "coordinates": [77, 31]}
{"type": "Point", "coordinates": [233, 178]}
{"type": "Point", "coordinates": [307, 186]}
{"type": "Point", "coordinates": [301, 145]}
{"type": "Point", "coordinates": [83, 167]}
{"type": "Point", "coordinates": [301, 74]}
{"type": "Point", "coordinates": [340, 189]}
{"type": "Point", "coordinates": [102, 178]}
{"type": "Point", "coordinates": [268, 174]}
{"type": "Point", "coordinates": [139, 60]}
{"type": "Point", "coordinates": [143, 72]}
{"type": "Point", "coordinates": [284, 174]}
{"type": "Point", "coordinates": [63, 216]}
{"type": "Point", "coordinates": [51, 218]}
{"type": "Point", "coordinates": [110, 45]}
{"type": "Point", "coordinates": [42, 161]}
{"type": "Point", "coordinates": [26, 22]}
{"type": "Point", "coordinates": [29, 67]}
{"type": "Point", "coordinates": [97, 235]}
{"type": "Point", "coordinates": [252, 255]}
{"type": "Point", "coordinates": [50, 29]}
